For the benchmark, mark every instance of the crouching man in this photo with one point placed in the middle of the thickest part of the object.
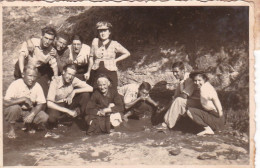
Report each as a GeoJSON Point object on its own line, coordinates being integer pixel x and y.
{"type": "Point", "coordinates": [67, 95]}
{"type": "Point", "coordinates": [104, 108]}
{"type": "Point", "coordinates": [25, 99]}
{"type": "Point", "coordinates": [138, 102]}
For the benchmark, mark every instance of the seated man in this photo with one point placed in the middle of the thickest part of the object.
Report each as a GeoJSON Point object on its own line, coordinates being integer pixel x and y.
{"type": "Point", "coordinates": [79, 55]}
{"type": "Point", "coordinates": [24, 99]}
{"type": "Point", "coordinates": [184, 89]}
{"type": "Point", "coordinates": [41, 56]}
{"type": "Point", "coordinates": [66, 93]}
{"type": "Point", "coordinates": [104, 108]}
{"type": "Point", "coordinates": [137, 100]}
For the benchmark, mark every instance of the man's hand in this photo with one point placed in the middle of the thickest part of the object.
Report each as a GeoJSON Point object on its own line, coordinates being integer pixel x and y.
{"type": "Point", "coordinates": [101, 113]}
{"type": "Point", "coordinates": [70, 98]}
{"type": "Point", "coordinates": [28, 102]}
{"type": "Point", "coordinates": [53, 53]}
{"type": "Point", "coordinates": [184, 96]}
{"type": "Point", "coordinates": [29, 118]}
{"type": "Point", "coordinates": [87, 76]}
{"type": "Point", "coordinates": [143, 98]}
{"type": "Point", "coordinates": [73, 113]}
{"type": "Point", "coordinates": [149, 99]}
{"type": "Point", "coordinates": [125, 118]}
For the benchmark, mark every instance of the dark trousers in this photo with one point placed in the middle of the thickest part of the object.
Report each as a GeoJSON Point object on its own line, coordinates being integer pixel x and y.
{"type": "Point", "coordinates": [79, 101]}
{"type": "Point", "coordinates": [44, 76]}
{"type": "Point", "coordinates": [112, 75]}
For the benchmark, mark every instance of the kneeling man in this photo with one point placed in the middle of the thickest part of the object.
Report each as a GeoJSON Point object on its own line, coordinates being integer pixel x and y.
{"type": "Point", "coordinates": [25, 99]}
{"type": "Point", "coordinates": [66, 94]}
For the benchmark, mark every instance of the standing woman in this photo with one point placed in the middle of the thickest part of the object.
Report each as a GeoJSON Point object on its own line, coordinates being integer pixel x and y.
{"type": "Point", "coordinates": [103, 53]}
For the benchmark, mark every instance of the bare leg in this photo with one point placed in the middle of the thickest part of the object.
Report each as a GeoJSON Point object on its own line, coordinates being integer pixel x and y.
{"type": "Point", "coordinates": [11, 134]}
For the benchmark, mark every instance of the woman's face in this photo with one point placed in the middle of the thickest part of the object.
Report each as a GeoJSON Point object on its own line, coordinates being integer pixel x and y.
{"type": "Point", "coordinates": [199, 81]}
{"type": "Point", "coordinates": [103, 85]}
{"type": "Point", "coordinates": [76, 46]}
{"type": "Point", "coordinates": [104, 34]}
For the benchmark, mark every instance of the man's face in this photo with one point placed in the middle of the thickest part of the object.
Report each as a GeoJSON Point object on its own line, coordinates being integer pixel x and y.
{"type": "Point", "coordinates": [30, 77]}
{"type": "Point", "coordinates": [143, 93]}
{"type": "Point", "coordinates": [47, 40]}
{"type": "Point", "coordinates": [103, 85]}
{"type": "Point", "coordinates": [104, 34]}
{"type": "Point", "coordinates": [178, 73]}
{"type": "Point", "coordinates": [61, 44]}
{"type": "Point", "coordinates": [76, 46]}
{"type": "Point", "coordinates": [68, 75]}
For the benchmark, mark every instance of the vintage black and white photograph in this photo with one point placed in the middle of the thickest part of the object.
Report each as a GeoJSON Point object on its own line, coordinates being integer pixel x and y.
{"type": "Point", "coordinates": [126, 85]}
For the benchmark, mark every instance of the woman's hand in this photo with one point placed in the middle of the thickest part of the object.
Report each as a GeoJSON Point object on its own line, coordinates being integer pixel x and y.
{"type": "Point", "coordinates": [87, 76]}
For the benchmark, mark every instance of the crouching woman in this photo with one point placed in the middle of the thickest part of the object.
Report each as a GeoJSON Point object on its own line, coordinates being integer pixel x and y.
{"type": "Point", "coordinates": [104, 108]}
{"type": "Point", "coordinates": [210, 115]}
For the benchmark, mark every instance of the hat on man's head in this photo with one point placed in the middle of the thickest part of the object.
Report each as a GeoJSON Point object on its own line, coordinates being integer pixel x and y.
{"type": "Point", "coordinates": [103, 25]}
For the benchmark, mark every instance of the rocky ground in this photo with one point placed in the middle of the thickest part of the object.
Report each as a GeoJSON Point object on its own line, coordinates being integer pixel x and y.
{"type": "Point", "coordinates": [133, 143]}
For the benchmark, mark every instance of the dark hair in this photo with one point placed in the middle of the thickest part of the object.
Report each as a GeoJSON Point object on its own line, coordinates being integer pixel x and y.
{"type": "Point", "coordinates": [199, 73]}
{"type": "Point", "coordinates": [72, 66]}
{"type": "Point", "coordinates": [30, 67]}
{"type": "Point", "coordinates": [145, 86]}
{"type": "Point", "coordinates": [77, 37]}
{"type": "Point", "coordinates": [49, 30]}
{"type": "Point", "coordinates": [64, 36]}
{"type": "Point", "coordinates": [179, 65]}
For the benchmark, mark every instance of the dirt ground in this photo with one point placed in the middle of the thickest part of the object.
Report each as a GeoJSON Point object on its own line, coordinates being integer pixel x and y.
{"type": "Point", "coordinates": [133, 143]}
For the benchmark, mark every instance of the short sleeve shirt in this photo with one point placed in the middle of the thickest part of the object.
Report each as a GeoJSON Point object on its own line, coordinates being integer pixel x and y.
{"type": "Point", "coordinates": [129, 92]}
{"type": "Point", "coordinates": [58, 90]}
{"type": "Point", "coordinates": [106, 53]}
{"type": "Point", "coordinates": [83, 55]}
{"type": "Point", "coordinates": [39, 56]}
{"type": "Point", "coordinates": [19, 89]}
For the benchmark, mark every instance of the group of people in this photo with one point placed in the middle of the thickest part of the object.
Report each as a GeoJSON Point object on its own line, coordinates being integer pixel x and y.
{"type": "Point", "coordinates": [55, 80]}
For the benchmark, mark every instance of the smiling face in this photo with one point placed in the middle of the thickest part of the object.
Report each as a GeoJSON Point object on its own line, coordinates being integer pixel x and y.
{"type": "Point", "coordinates": [47, 40]}
{"type": "Point", "coordinates": [103, 85]}
{"type": "Point", "coordinates": [178, 73]}
{"type": "Point", "coordinates": [30, 77]}
{"type": "Point", "coordinates": [199, 80]}
{"type": "Point", "coordinates": [61, 44]}
{"type": "Point", "coordinates": [68, 75]}
{"type": "Point", "coordinates": [77, 45]}
{"type": "Point", "coordinates": [104, 34]}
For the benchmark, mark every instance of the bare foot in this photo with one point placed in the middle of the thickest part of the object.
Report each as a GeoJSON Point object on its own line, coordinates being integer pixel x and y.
{"type": "Point", "coordinates": [207, 131]}
{"type": "Point", "coordinates": [11, 134]}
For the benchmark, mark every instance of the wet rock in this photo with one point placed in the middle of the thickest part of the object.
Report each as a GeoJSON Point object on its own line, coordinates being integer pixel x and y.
{"type": "Point", "coordinates": [175, 152]}
{"type": "Point", "coordinates": [206, 156]}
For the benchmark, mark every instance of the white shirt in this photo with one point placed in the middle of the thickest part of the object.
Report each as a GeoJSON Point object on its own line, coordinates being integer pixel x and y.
{"type": "Point", "coordinates": [19, 89]}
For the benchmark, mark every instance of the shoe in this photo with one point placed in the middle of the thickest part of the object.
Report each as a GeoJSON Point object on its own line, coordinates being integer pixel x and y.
{"type": "Point", "coordinates": [163, 126]}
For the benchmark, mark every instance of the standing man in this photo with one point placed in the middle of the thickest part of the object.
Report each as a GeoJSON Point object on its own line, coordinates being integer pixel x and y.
{"type": "Point", "coordinates": [24, 99]}
{"type": "Point", "coordinates": [79, 56]}
{"type": "Point", "coordinates": [66, 94]}
{"type": "Point", "coordinates": [63, 53]}
{"type": "Point", "coordinates": [42, 55]}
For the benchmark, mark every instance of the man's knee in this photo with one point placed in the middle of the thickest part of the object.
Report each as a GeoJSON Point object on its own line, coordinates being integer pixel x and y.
{"type": "Point", "coordinates": [12, 113]}
{"type": "Point", "coordinates": [41, 117]}
{"type": "Point", "coordinates": [53, 115]}
{"type": "Point", "coordinates": [180, 101]}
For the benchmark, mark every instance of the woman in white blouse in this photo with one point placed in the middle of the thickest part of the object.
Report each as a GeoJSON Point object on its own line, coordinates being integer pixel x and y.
{"type": "Point", "coordinates": [210, 115]}
{"type": "Point", "coordinates": [103, 55]}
